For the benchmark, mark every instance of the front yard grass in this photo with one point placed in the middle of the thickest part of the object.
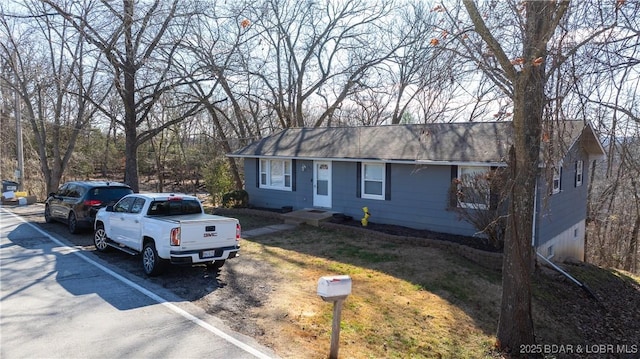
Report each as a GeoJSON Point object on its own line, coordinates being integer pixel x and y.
{"type": "Point", "coordinates": [410, 301]}
{"type": "Point", "coordinates": [407, 301]}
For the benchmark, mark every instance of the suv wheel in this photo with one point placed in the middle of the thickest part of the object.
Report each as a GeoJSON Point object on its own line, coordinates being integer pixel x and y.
{"type": "Point", "coordinates": [73, 223]}
{"type": "Point", "coordinates": [152, 264]}
{"type": "Point", "coordinates": [47, 214]}
{"type": "Point", "coordinates": [100, 239]}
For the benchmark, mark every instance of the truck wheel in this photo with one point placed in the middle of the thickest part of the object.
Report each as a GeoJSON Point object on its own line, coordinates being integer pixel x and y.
{"type": "Point", "coordinates": [73, 224]}
{"type": "Point", "coordinates": [151, 263]}
{"type": "Point", "coordinates": [100, 239]}
{"type": "Point", "coordinates": [216, 264]}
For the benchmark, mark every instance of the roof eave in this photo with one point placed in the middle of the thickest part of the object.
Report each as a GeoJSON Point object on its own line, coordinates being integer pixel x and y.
{"type": "Point", "coordinates": [385, 160]}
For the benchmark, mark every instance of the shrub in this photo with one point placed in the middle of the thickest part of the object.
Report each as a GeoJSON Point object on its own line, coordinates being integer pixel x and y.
{"type": "Point", "coordinates": [236, 199]}
{"type": "Point", "coordinates": [218, 179]}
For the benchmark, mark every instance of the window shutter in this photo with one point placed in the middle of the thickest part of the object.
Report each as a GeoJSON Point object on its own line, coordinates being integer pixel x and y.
{"type": "Point", "coordinates": [560, 185]}
{"type": "Point", "coordinates": [387, 182]}
{"type": "Point", "coordinates": [453, 198]}
{"type": "Point", "coordinates": [293, 175]}
{"type": "Point", "coordinates": [358, 179]}
{"type": "Point", "coordinates": [257, 173]}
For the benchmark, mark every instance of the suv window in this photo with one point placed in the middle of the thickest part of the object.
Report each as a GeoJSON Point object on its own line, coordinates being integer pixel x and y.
{"type": "Point", "coordinates": [174, 207]}
{"type": "Point", "coordinates": [62, 191]}
{"type": "Point", "coordinates": [75, 191]}
{"type": "Point", "coordinates": [108, 194]}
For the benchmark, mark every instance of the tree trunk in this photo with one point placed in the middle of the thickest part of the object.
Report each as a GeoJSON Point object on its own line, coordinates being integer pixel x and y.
{"type": "Point", "coordinates": [515, 326]}
{"type": "Point", "coordinates": [128, 97]}
{"type": "Point", "coordinates": [631, 262]}
{"type": "Point", "coordinates": [131, 157]}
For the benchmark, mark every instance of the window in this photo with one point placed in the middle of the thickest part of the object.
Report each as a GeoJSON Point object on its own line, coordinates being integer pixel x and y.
{"type": "Point", "coordinates": [275, 174]}
{"type": "Point", "coordinates": [579, 173]}
{"type": "Point", "coordinates": [474, 189]}
{"type": "Point", "coordinates": [124, 205]}
{"type": "Point", "coordinates": [74, 191]}
{"type": "Point", "coordinates": [557, 179]}
{"type": "Point", "coordinates": [137, 205]}
{"type": "Point", "coordinates": [373, 180]}
{"type": "Point", "coordinates": [174, 207]}
{"type": "Point", "coordinates": [62, 191]}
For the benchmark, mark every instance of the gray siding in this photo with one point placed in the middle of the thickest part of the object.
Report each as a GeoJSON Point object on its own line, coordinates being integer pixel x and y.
{"type": "Point", "coordinates": [300, 197]}
{"type": "Point", "coordinates": [559, 212]}
{"type": "Point", "coordinates": [419, 198]}
{"type": "Point", "coordinates": [418, 195]}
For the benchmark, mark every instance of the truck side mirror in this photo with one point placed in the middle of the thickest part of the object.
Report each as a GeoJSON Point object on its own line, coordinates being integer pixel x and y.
{"type": "Point", "coordinates": [109, 208]}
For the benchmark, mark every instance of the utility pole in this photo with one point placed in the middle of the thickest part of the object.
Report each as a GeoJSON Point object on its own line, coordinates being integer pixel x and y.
{"type": "Point", "coordinates": [18, 113]}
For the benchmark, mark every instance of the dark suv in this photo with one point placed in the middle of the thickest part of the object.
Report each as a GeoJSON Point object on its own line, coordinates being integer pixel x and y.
{"type": "Point", "coordinates": [76, 203]}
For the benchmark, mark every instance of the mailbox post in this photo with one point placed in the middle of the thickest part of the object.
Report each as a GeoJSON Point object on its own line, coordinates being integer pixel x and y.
{"type": "Point", "coordinates": [335, 289]}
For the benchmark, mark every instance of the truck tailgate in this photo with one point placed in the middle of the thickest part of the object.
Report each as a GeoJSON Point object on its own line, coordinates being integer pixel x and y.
{"type": "Point", "coordinates": [206, 231]}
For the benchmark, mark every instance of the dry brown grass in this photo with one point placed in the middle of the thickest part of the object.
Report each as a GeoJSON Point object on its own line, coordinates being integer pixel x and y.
{"type": "Point", "coordinates": [407, 301]}
{"type": "Point", "coordinates": [416, 302]}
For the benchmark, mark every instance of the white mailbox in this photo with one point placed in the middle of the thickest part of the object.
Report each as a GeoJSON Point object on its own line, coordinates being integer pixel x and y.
{"type": "Point", "coordinates": [335, 287]}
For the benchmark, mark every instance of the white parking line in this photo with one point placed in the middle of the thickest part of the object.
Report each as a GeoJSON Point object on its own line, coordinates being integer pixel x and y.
{"type": "Point", "coordinates": [155, 297]}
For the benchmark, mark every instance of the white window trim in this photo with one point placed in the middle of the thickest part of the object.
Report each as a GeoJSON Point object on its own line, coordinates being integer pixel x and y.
{"type": "Point", "coordinates": [579, 173]}
{"type": "Point", "coordinates": [472, 205]}
{"type": "Point", "coordinates": [267, 172]}
{"type": "Point", "coordinates": [557, 175]}
{"type": "Point", "coordinates": [362, 181]}
{"type": "Point", "coordinates": [551, 251]}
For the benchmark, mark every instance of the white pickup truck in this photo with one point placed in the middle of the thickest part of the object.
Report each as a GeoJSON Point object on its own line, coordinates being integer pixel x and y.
{"type": "Point", "coordinates": [166, 228]}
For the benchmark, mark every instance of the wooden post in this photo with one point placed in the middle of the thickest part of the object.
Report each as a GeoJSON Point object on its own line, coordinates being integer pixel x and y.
{"type": "Point", "coordinates": [335, 329]}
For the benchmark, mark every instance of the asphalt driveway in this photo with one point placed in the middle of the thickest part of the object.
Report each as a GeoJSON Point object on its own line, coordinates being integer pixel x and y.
{"type": "Point", "coordinates": [57, 301]}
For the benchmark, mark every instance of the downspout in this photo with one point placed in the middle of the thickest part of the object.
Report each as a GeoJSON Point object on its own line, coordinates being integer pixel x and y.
{"type": "Point", "coordinates": [548, 262]}
{"type": "Point", "coordinates": [577, 282]}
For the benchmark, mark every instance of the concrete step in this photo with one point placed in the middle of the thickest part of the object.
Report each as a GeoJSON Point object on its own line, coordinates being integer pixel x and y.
{"type": "Point", "coordinates": [311, 216]}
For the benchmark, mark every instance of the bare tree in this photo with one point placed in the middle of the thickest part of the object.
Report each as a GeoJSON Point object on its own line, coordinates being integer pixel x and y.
{"type": "Point", "coordinates": [510, 43]}
{"type": "Point", "coordinates": [54, 77]}
{"type": "Point", "coordinates": [139, 40]}
{"type": "Point", "coordinates": [318, 53]}
{"type": "Point", "coordinates": [220, 82]}
{"type": "Point", "coordinates": [522, 65]}
{"type": "Point", "coordinates": [599, 83]}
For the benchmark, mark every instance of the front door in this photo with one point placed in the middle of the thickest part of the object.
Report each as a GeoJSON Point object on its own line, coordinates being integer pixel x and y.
{"type": "Point", "coordinates": [322, 184]}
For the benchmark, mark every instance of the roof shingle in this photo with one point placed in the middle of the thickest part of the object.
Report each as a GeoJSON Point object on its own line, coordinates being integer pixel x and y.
{"type": "Point", "coordinates": [478, 142]}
